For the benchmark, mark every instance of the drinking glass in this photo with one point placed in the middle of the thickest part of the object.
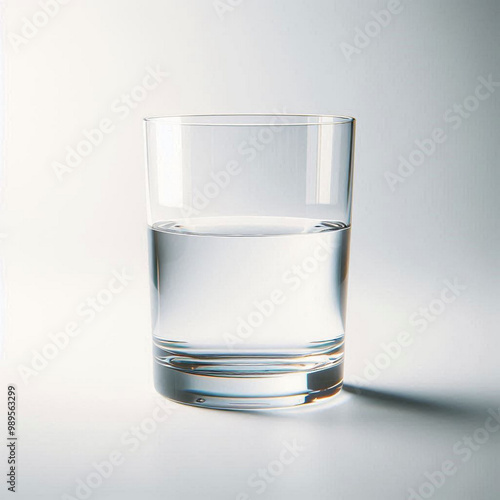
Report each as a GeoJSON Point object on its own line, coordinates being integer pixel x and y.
{"type": "Point", "coordinates": [249, 225]}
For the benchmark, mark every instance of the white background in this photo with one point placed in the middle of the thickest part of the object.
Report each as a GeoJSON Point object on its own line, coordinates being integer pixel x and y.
{"type": "Point", "coordinates": [61, 240]}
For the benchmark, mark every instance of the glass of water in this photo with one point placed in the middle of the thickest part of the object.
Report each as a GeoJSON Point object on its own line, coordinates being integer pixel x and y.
{"type": "Point", "coordinates": [249, 224]}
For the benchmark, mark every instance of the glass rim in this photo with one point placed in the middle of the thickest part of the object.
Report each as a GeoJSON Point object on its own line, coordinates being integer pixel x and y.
{"type": "Point", "coordinates": [244, 120]}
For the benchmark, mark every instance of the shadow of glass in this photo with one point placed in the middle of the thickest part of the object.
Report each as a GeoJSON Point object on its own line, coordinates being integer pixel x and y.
{"type": "Point", "coordinates": [360, 404]}
{"type": "Point", "coordinates": [430, 405]}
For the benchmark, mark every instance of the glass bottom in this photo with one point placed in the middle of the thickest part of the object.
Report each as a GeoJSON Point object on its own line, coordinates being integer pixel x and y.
{"type": "Point", "coordinates": [234, 389]}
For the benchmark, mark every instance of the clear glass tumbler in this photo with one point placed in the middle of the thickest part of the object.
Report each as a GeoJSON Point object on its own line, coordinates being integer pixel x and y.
{"type": "Point", "coordinates": [249, 224]}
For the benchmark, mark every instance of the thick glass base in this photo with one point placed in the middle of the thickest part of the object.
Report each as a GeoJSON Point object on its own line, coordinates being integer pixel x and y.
{"type": "Point", "coordinates": [247, 390]}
